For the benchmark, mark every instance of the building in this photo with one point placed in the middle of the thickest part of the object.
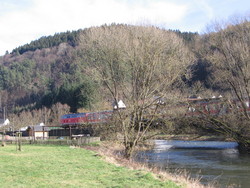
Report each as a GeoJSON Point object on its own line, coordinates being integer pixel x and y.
{"type": "Point", "coordinates": [4, 122]}
{"type": "Point", "coordinates": [38, 131]}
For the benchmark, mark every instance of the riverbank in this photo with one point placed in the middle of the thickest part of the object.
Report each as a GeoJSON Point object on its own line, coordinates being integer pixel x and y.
{"type": "Point", "coordinates": [112, 153]}
{"type": "Point", "coordinates": [192, 137]}
{"type": "Point", "coordinates": [64, 166]}
{"type": "Point", "coordinates": [216, 162]}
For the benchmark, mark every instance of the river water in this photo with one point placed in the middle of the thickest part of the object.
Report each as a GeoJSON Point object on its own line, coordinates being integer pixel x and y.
{"type": "Point", "coordinates": [211, 161]}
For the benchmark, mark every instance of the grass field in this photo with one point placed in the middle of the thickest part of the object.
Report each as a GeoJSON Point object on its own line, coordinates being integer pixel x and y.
{"type": "Point", "coordinates": [62, 166]}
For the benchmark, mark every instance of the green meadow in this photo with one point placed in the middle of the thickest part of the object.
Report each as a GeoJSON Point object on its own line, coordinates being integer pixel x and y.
{"type": "Point", "coordinates": [62, 166]}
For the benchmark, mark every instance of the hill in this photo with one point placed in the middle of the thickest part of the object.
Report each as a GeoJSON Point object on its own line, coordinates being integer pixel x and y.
{"type": "Point", "coordinates": [52, 69]}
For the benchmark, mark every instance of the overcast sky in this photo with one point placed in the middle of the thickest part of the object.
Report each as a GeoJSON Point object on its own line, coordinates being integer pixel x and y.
{"type": "Point", "coordinates": [22, 21]}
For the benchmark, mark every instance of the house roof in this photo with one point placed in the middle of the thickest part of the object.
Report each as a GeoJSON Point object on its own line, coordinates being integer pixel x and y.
{"type": "Point", "coordinates": [4, 122]}
{"type": "Point", "coordinates": [39, 128]}
{"type": "Point", "coordinates": [120, 104]}
{"type": "Point", "coordinates": [24, 128]}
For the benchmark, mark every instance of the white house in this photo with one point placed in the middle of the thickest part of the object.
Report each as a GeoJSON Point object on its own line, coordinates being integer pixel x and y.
{"type": "Point", "coordinates": [4, 122]}
{"type": "Point", "coordinates": [121, 105]}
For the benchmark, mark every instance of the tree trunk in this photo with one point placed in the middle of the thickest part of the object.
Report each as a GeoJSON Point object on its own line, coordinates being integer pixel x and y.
{"type": "Point", "coordinates": [129, 149]}
{"type": "Point", "coordinates": [244, 148]}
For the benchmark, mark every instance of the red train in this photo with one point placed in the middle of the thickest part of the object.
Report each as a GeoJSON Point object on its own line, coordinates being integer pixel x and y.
{"type": "Point", "coordinates": [86, 118]}
{"type": "Point", "coordinates": [214, 107]}
{"type": "Point", "coordinates": [196, 107]}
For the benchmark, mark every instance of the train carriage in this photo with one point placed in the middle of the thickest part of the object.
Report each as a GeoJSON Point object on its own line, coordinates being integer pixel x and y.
{"type": "Point", "coordinates": [195, 107]}
{"type": "Point", "coordinates": [86, 118]}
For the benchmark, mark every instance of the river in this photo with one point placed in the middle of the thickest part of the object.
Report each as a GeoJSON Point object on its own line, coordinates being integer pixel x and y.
{"type": "Point", "coordinates": [211, 161]}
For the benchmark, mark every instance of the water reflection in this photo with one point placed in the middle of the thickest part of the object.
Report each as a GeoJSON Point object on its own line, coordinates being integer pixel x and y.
{"type": "Point", "coordinates": [210, 160]}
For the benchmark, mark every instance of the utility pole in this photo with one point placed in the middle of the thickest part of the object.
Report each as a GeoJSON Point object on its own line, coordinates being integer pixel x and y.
{"type": "Point", "coordinates": [4, 117]}
{"type": "Point", "coordinates": [0, 101]}
{"type": "Point", "coordinates": [3, 139]}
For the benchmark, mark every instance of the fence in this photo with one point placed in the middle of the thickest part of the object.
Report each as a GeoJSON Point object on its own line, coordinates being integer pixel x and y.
{"type": "Point", "coordinates": [79, 141]}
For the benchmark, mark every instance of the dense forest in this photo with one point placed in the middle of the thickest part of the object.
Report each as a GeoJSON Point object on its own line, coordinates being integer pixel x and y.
{"type": "Point", "coordinates": [49, 41]}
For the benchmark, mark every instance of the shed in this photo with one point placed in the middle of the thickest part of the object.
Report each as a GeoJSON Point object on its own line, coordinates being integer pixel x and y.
{"type": "Point", "coordinates": [38, 131]}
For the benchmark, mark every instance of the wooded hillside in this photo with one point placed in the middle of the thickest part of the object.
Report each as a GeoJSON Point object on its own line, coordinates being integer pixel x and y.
{"type": "Point", "coordinates": [52, 69]}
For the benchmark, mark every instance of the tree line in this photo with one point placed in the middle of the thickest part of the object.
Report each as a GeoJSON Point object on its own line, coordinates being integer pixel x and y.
{"type": "Point", "coordinates": [49, 41]}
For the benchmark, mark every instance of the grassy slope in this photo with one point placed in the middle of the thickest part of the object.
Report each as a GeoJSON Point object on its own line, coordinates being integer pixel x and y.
{"type": "Point", "coordinates": [61, 166]}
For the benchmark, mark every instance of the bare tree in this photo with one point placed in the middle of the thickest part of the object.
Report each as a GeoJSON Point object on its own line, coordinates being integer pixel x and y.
{"type": "Point", "coordinates": [228, 49]}
{"type": "Point", "coordinates": [141, 66]}
{"type": "Point", "coordinates": [49, 116]}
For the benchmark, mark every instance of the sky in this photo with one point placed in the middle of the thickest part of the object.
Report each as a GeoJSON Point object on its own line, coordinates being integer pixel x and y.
{"type": "Point", "coordinates": [22, 21]}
